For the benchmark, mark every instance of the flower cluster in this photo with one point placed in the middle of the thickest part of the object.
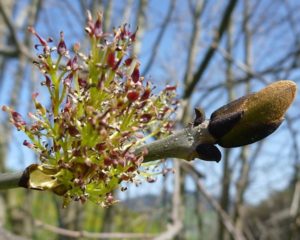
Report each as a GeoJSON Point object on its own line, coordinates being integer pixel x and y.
{"type": "Point", "coordinates": [101, 109]}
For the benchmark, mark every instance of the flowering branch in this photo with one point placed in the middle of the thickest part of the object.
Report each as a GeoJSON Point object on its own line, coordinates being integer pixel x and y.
{"type": "Point", "coordinates": [241, 122]}
{"type": "Point", "coordinates": [94, 135]}
{"type": "Point", "coordinates": [101, 109]}
{"type": "Point", "coordinates": [181, 144]}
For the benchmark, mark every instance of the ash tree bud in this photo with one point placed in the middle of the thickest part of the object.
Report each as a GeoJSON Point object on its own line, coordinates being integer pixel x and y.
{"type": "Point", "coordinates": [252, 117]}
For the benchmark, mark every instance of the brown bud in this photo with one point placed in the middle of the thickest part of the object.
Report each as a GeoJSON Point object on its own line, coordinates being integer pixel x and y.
{"type": "Point", "coordinates": [252, 117]}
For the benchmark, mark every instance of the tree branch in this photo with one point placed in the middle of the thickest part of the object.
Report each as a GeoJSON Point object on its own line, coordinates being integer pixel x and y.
{"type": "Point", "coordinates": [93, 235]}
{"type": "Point", "coordinates": [159, 37]}
{"type": "Point", "coordinates": [173, 229]}
{"type": "Point", "coordinates": [211, 50]}
{"type": "Point", "coordinates": [20, 47]}
{"type": "Point", "coordinates": [181, 144]}
{"type": "Point", "coordinates": [226, 220]}
{"type": "Point", "coordinates": [229, 127]}
{"type": "Point", "coordinates": [10, 180]}
{"type": "Point", "coordinates": [6, 235]}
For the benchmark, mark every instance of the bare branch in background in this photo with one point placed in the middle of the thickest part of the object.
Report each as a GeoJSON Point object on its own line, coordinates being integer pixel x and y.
{"type": "Point", "coordinates": [211, 50]}
{"type": "Point", "coordinates": [20, 47]}
{"type": "Point", "coordinates": [84, 234]}
{"type": "Point", "coordinates": [6, 235]}
{"type": "Point", "coordinates": [196, 12]}
{"type": "Point", "coordinates": [126, 13]}
{"type": "Point", "coordinates": [226, 179]}
{"type": "Point", "coordinates": [140, 23]}
{"type": "Point", "coordinates": [176, 222]}
{"type": "Point", "coordinates": [192, 52]}
{"type": "Point", "coordinates": [243, 180]}
{"type": "Point", "coordinates": [107, 15]}
{"type": "Point", "coordinates": [235, 233]}
{"type": "Point", "coordinates": [159, 37]}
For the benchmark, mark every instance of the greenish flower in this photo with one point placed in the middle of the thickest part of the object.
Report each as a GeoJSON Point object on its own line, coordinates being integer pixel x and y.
{"type": "Point", "coordinates": [100, 110]}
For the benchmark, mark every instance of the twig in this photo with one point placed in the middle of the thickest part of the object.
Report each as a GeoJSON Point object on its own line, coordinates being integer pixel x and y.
{"type": "Point", "coordinates": [6, 235]}
{"type": "Point", "coordinates": [236, 234]}
{"type": "Point", "coordinates": [181, 144]}
{"type": "Point", "coordinates": [8, 51]}
{"type": "Point", "coordinates": [95, 235]}
{"type": "Point", "coordinates": [174, 229]}
{"type": "Point", "coordinates": [10, 180]}
{"type": "Point", "coordinates": [171, 231]}
{"type": "Point", "coordinates": [159, 37]}
{"type": "Point", "coordinates": [294, 209]}
{"type": "Point", "coordinates": [211, 50]}
{"type": "Point", "coordinates": [20, 47]}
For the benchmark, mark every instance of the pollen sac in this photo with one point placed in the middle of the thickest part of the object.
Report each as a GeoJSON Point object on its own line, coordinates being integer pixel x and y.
{"type": "Point", "coordinates": [252, 117]}
{"type": "Point", "coordinates": [61, 47]}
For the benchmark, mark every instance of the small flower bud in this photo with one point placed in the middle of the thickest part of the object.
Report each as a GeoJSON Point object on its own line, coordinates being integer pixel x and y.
{"type": "Point", "coordinates": [128, 61]}
{"type": "Point", "coordinates": [146, 117]}
{"type": "Point", "coordinates": [132, 96]}
{"type": "Point", "coordinates": [42, 41]}
{"type": "Point", "coordinates": [133, 35]}
{"type": "Point", "coordinates": [48, 81]}
{"type": "Point", "coordinates": [98, 31]}
{"type": "Point", "coordinates": [170, 88]}
{"type": "Point", "coordinates": [17, 120]}
{"type": "Point", "coordinates": [4, 108]}
{"type": "Point", "coordinates": [28, 144]}
{"type": "Point", "coordinates": [135, 75]}
{"type": "Point", "coordinates": [111, 59]}
{"type": "Point", "coordinates": [61, 47]}
{"type": "Point", "coordinates": [76, 47]}
{"type": "Point", "coordinates": [68, 80]}
{"type": "Point", "coordinates": [151, 179]}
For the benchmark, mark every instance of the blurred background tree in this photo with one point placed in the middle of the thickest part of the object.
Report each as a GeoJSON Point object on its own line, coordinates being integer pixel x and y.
{"type": "Point", "coordinates": [215, 51]}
